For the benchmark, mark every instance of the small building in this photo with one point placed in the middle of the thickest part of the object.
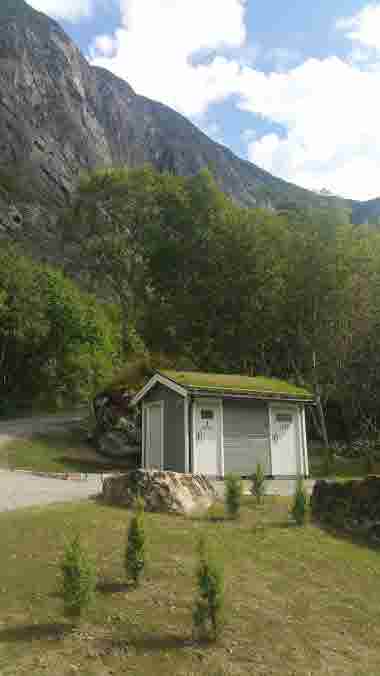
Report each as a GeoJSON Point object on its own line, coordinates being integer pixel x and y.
{"type": "Point", "coordinates": [214, 424]}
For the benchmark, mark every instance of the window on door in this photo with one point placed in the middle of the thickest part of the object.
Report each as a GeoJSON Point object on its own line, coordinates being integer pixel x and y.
{"type": "Point", "coordinates": [284, 418]}
{"type": "Point", "coordinates": [207, 414]}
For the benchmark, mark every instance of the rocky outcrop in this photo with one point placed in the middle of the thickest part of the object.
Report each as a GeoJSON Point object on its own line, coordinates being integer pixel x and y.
{"type": "Point", "coordinates": [116, 444]}
{"type": "Point", "coordinates": [353, 506]}
{"type": "Point", "coordinates": [60, 115]}
{"type": "Point", "coordinates": [161, 491]}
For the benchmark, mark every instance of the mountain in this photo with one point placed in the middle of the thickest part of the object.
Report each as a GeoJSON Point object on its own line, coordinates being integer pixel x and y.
{"type": "Point", "coordinates": [60, 116]}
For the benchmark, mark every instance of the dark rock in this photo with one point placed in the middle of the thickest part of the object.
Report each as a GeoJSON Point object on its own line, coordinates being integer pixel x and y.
{"type": "Point", "coordinates": [59, 115]}
{"type": "Point", "coordinates": [116, 444]}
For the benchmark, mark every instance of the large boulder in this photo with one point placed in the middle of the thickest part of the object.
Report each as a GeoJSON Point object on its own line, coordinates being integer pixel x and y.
{"type": "Point", "coordinates": [161, 491]}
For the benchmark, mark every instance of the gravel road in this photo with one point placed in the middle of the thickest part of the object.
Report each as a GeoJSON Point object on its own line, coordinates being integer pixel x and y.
{"type": "Point", "coordinates": [22, 489]}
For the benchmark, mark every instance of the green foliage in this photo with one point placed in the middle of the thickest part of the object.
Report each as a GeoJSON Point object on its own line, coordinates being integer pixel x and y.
{"type": "Point", "coordinates": [233, 495]}
{"type": "Point", "coordinates": [258, 483]}
{"type": "Point", "coordinates": [369, 457]}
{"type": "Point", "coordinates": [135, 549]}
{"type": "Point", "coordinates": [300, 503]}
{"type": "Point", "coordinates": [296, 292]}
{"type": "Point", "coordinates": [78, 579]}
{"type": "Point", "coordinates": [328, 461]}
{"type": "Point", "coordinates": [209, 604]}
{"type": "Point", "coordinates": [57, 343]}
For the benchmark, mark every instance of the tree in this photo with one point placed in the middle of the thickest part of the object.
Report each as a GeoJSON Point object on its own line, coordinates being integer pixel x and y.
{"type": "Point", "coordinates": [233, 495]}
{"type": "Point", "coordinates": [57, 343]}
{"type": "Point", "coordinates": [78, 579]}
{"type": "Point", "coordinates": [209, 604]}
{"type": "Point", "coordinates": [135, 549]}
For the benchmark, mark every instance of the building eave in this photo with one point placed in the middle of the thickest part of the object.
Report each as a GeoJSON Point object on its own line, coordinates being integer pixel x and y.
{"type": "Point", "coordinates": [263, 396]}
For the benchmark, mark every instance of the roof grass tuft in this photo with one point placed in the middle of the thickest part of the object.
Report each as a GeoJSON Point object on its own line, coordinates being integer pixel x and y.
{"type": "Point", "coordinates": [236, 383]}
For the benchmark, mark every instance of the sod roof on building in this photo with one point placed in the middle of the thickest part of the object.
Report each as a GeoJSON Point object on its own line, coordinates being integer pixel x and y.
{"type": "Point", "coordinates": [221, 382]}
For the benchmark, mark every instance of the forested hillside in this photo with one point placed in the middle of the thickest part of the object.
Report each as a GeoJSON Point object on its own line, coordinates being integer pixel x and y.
{"type": "Point", "coordinates": [218, 287]}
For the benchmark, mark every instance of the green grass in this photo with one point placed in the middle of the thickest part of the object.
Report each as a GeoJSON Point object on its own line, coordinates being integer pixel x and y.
{"type": "Point", "coordinates": [237, 383]}
{"type": "Point", "coordinates": [299, 600]}
{"type": "Point", "coordinates": [53, 453]}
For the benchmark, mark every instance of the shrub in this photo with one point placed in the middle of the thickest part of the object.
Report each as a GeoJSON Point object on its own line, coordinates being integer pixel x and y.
{"type": "Point", "coordinates": [78, 579]}
{"type": "Point", "coordinates": [208, 609]}
{"type": "Point", "coordinates": [369, 459]}
{"type": "Point", "coordinates": [135, 549]}
{"type": "Point", "coordinates": [300, 500]}
{"type": "Point", "coordinates": [258, 483]}
{"type": "Point", "coordinates": [234, 492]}
{"type": "Point", "coordinates": [328, 461]}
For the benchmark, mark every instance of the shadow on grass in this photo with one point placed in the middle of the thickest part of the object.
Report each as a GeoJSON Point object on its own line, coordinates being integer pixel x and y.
{"type": "Point", "coordinates": [283, 524]}
{"type": "Point", "coordinates": [109, 587]}
{"type": "Point", "coordinates": [29, 632]}
{"type": "Point", "coordinates": [356, 538]}
{"type": "Point", "coordinates": [93, 466]}
{"type": "Point", "coordinates": [154, 643]}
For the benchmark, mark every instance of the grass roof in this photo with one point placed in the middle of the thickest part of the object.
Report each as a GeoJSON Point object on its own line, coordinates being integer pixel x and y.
{"type": "Point", "coordinates": [237, 383]}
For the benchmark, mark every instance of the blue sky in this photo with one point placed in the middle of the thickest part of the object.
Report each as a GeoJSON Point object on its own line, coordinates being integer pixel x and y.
{"type": "Point", "coordinates": [295, 91]}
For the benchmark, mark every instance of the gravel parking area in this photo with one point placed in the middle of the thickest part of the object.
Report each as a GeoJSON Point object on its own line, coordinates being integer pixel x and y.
{"type": "Point", "coordinates": [21, 489]}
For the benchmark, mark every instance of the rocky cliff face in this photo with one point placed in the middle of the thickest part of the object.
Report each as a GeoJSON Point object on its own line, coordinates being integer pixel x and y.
{"type": "Point", "coordinates": [59, 116]}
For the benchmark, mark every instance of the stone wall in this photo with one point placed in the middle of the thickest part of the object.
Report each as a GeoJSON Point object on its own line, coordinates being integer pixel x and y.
{"type": "Point", "coordinates": [353, 506]}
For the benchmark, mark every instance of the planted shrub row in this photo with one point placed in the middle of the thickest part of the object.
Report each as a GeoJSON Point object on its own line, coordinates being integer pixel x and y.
{"type": "Point", "coordinates": [78, 578]}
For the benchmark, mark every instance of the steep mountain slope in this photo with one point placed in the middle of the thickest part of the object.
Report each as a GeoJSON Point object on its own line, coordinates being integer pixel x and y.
{"type": "Point", "coordinates": [59, 116]}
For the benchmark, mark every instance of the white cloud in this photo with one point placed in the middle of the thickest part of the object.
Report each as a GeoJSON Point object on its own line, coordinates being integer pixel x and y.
{"type": "Point", "coordinates": [154, 46]}
{"type": "Point", "coordinates": [104, 46]}
{"type": "Point", "coordinates": [363, 27]}
{"type": "Point", "coordinates": [328, 109]}
{"type": "Point", "coordinates": [69, 10]}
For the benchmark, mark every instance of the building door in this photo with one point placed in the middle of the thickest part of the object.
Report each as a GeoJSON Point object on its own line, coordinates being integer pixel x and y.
{"type": "Point", "coordinates": [207, 442]}
{"type": "Point", "coordinates": [154, 431]}
{"type": "Point", "coordinates": [284, 426]}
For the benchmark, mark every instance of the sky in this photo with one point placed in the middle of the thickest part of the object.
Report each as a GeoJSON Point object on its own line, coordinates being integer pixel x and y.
{"type": "Point", "coordinates": [290, 85]}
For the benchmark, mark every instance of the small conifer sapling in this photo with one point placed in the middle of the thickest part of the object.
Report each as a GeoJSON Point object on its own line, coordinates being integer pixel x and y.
{"type": "Point", "coordinates": [135, 549]}
{"type": "Point", "coordinates": [209, 604]}
{"type": "Point", "coordinates": [233, 495]}
{"type": "Point", "coordinates": [78, 579]}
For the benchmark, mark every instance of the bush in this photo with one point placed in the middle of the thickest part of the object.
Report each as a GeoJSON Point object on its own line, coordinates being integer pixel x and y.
{"type": "Point", "coordinates": [234, 492]}
{"type": "Point", "coordinates": [258, 483]}
{"type": "Point", "coordinates": [208, 609]}
{"type": "Point", "coordinates": [328, 461]}
{"type": "Point", "coordinates": [300, 503]}
{"type": "Point", "coordinates": [78, 579]}
{"type": "Point", "coordinates": [135, 549]}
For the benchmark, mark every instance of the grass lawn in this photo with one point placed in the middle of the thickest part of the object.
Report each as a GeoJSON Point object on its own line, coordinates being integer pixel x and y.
{"type": "Point", "coordinates": [299, 600]}
{"type": "Point", "coordinates": [56, 453]}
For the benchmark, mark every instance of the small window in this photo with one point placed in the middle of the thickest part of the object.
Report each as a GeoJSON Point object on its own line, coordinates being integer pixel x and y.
{"type": "Point", "coordinates": [284, 418]}
{"type": "Point", "coordinates": [206, 414]}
